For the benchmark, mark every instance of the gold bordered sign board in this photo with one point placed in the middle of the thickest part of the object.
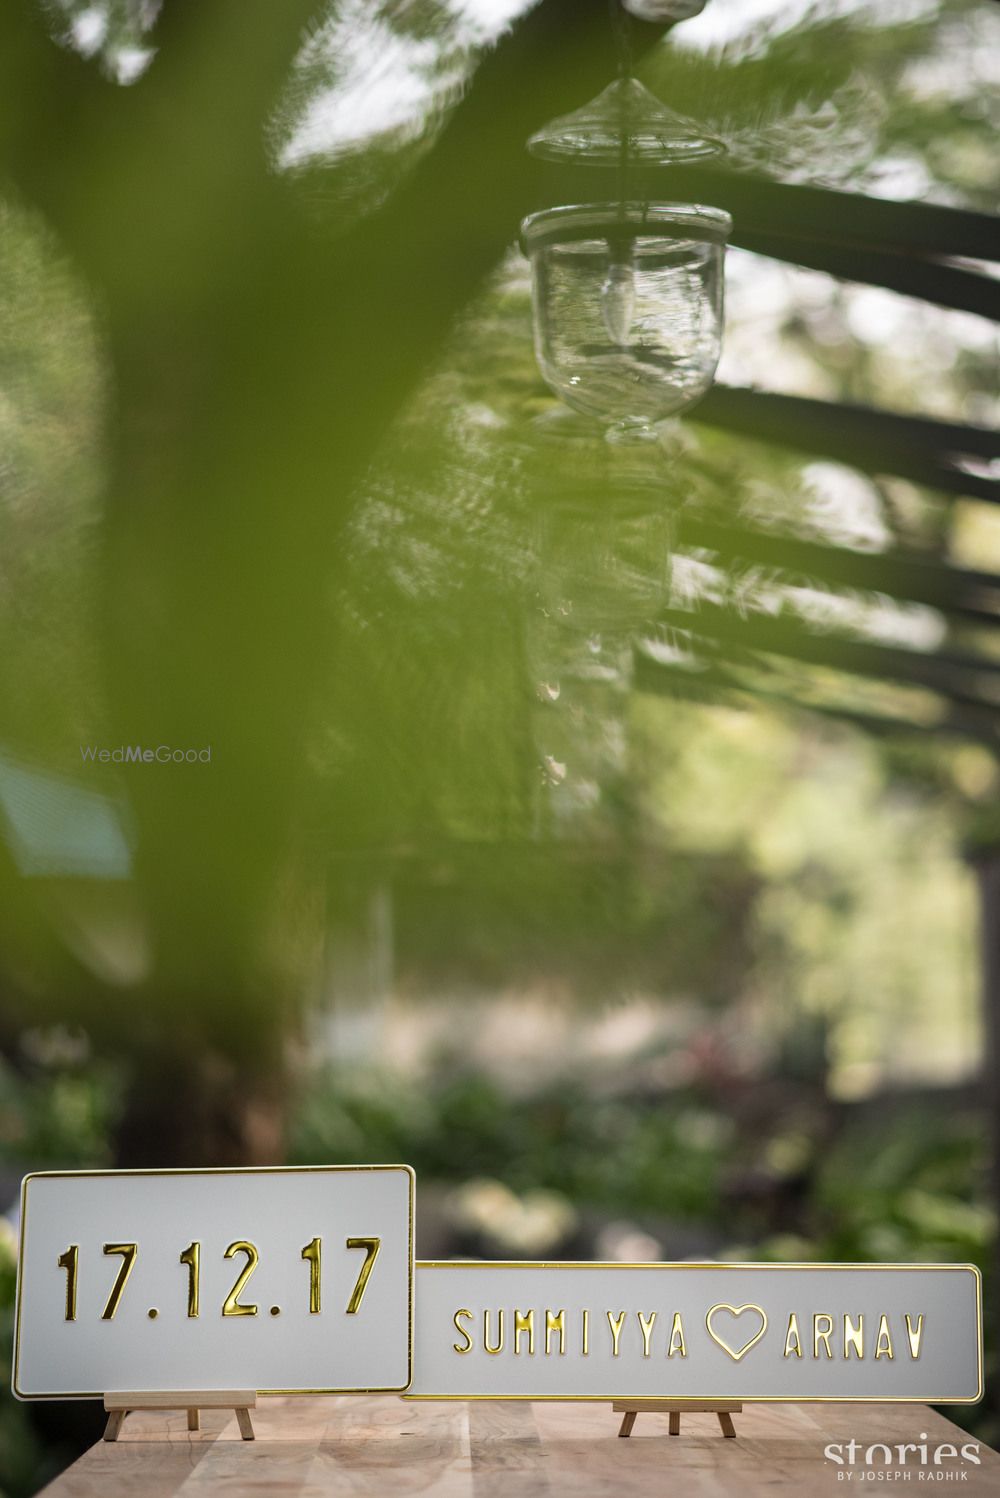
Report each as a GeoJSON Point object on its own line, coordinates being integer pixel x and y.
{"type": "Point", "coordinates": [697, 1332]}
{"type": "Point", "coordinates": [284, 1281]}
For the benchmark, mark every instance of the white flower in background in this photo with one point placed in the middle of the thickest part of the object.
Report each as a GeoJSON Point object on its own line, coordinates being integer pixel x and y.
{"type": "Point", "coordinates": [627, 1243]}
{"type": "Point", "coordinates": [534, 1223]}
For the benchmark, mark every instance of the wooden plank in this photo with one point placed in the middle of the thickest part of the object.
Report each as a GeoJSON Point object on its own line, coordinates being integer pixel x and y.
{"type": "Point", "coordinates": [778, 1451]}
{"type": "Point", "coordinates": [506, 1450]}
{"type": "Point", "coordinates": [375, 1447]}
{"type": "Point", "coordinates": [230, 1469]}
{"type": "Point", "coordinates": [134, 1470]}
{"type": "Point", "coordinates": [585, 1458]}
{"type": "Point", "coordinates": [381, 1447]}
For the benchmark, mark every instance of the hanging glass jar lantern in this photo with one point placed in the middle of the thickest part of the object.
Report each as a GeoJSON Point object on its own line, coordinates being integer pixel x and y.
{"type": "Point", "coordinates": [628, 307]}
{"type": "Point", "coordinates": [627, 295]}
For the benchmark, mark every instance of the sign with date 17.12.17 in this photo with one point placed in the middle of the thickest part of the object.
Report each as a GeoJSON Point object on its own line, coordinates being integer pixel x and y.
{"type": "Point", "coordinates": [285, 1280]}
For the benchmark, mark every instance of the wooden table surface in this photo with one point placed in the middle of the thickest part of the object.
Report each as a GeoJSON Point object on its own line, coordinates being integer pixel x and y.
{"type": "Point", "coordinates": [378, 1447]}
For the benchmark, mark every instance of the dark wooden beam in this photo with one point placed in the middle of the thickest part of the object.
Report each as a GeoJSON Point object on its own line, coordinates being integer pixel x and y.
{"type": "Point", "coordinates": [914, 447]}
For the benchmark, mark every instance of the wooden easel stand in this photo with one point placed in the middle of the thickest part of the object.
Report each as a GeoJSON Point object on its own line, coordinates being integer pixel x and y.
{"type": "Point", "coordinates": [192, 1400]}
{"type": "Point", "coordinates": [629, 1408]}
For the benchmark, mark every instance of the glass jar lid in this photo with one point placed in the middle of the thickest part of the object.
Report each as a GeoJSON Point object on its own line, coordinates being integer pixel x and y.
{"type": "Point", "coordinates": [626, 120]}
{"type": "Point", "coordinates": [625, 221]}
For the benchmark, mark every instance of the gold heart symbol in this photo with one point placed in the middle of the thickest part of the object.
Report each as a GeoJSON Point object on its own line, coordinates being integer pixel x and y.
{"type": "Point", "coordinates": [736, 1311]}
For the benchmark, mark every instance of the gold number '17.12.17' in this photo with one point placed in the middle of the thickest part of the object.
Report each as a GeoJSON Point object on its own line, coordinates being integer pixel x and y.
{"type": "Point", "coordinates": [371, 1247]}
{"type": "Point", "coordinates": [128, 1252]}
{"type": "Point", "coordinates": [231, 1305]}
{"type": "Point", "coordinates": [192, 1258]}
{"type": "Point", "coordinates": [70, 1261]}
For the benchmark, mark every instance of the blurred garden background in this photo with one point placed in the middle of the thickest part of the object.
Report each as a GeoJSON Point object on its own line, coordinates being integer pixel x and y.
{"type": "Point", "coordinates": [610, 833]}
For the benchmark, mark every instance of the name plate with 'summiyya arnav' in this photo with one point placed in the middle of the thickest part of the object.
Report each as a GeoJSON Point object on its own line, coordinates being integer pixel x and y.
{"type": "Point", "coordinates": [283, 1281]}
{"type": "Point", "coordinates": [793, 1332]}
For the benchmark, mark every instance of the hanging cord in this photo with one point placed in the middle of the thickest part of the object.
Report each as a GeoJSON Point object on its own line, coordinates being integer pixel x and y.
{"type": "Point", "coordinates": [622, 26]}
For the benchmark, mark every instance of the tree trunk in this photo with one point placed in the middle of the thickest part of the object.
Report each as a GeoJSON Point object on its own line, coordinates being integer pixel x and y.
{"type": "Point", "coordinates": [199, 1107]}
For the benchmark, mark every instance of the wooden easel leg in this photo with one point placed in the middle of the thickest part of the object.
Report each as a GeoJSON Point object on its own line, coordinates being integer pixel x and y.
{"type": "Point", "coordinates": [245, 1424]}
{"type": "Point", "coordinates": [116, 1420]}
{"type": "Point", "coordinates": [724, 1411]}
{"type": "Point", "coordinates": [194, 1420]}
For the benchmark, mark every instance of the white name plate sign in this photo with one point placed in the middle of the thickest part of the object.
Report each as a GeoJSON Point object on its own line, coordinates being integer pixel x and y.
{"type": "Point", "coordinates": [697, 1331]}
{"type": "Point", "coordinates": [286, 1280]}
